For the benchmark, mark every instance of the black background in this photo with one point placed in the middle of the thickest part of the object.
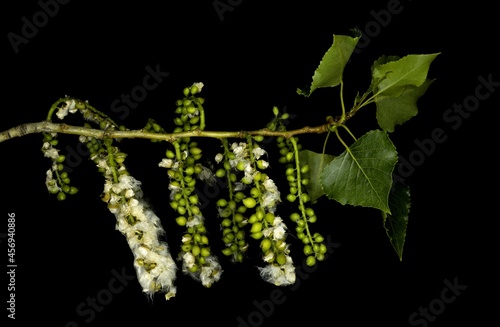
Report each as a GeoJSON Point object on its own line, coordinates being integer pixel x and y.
{"type": "Point", "coordinates": [252, 59]}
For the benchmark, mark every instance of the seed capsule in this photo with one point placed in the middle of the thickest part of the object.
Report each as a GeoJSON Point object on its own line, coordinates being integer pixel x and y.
{"type": "Point", "coordinates": [256, 227]}
{"type": "Point", "coordinates": [249, 202]}
{"type": "Point", "coordinates": [281, 259]}
{"type": "Point", "coordinates": [181, 221]}
{"type": "Point", "coordinates": [265, 244]}
{"type": "Point", "coordinates": [310, 261]}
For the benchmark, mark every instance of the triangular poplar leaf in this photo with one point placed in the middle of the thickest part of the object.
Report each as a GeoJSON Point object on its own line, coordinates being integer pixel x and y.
{"type": "Point", "coordinates": [396, 110]}
{"type": "Point", "coordinates": [362, 175]}
{"type": "Point", "coordinates": [331, 68]}
{"type": "Point", "coordinates": [396, 222]}
{"type": "Point", "coordinates": [397, 73]}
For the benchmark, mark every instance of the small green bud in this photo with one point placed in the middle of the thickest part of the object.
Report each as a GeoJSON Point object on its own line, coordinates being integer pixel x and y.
{"type": "Point", "coordinates": [318, 238]}
{"type": "Point", "coordinates": [227, 251]}
{"type": "Point", "coordinates": [256, 227]}
{"type": "Point", "coordinates": [186, 91]}
{"type": "Point", "coordinates": [310, 261]}
{"type": "Point", "coordinates": [269, 217]}
{"type": "Point", "coordinates": [181, 221]}
{"type": "Point", "coordinates": [257, 235]}
{"type": "Point", "coordinates": [222, 202]}
{"type": "Point", "coordinates": [238, 217]}
{"type": "Point", "coordinates": [254, 192]}
{"type": "Point", "coordinates": [260, 214]}
{"type": "Point", "coordinates": [195, 151]}
{"type": "Point", "coordinates": [281, 259]}
{"type": "Point", "coordinates": [249, 202]}
{"type": "Point", "coordinates": [205, 252]}
{"type": "Point", "coordinates": [258, 138]}
{"type": "Point", "coordinates": [181, 210]}
{"type": "Point", "coordinates": [220, 173]}
{"type": "Point", "coordinates": [61, 159]}
{"type": "Point", "coordinates": [196, 250]}
{"type": "Point", "coordinates": [305, 197]}
{"type": "Point", "coordinates": [53, 190]}
{"type": "Point", "coordinates": [240, 165]}
{"type": "Point", "coordinates": [262, 164]}
{"type": "Point", "coordinates": [61, 196]}
{"type": "Point", "coordinates": [253, 218]}
{"type": "Point", "coordinates": [193, 199]}
{"type": "Point", "coordinates": [195, 210]}
{"type": "Point", "coordinates": [265, 244]}
{"type": "Point", "coordinates": [170, 154]}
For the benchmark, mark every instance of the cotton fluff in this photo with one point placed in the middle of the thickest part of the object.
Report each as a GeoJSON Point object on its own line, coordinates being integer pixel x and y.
{"type": "Point", "coordinates": [155, 268]}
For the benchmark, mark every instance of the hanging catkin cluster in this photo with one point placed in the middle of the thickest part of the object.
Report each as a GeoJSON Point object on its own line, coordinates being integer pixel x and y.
{"type": "Point", "coordinates": [248, 211]}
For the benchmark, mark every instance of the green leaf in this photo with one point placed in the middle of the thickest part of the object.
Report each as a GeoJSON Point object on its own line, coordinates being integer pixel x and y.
{"type": "Point", "coordinates": [316, 162]}
{"type": "Point", "coordinates": [362, 175]}
{"type": "Point", "coordinates": [393, 75]}
{"type": "Point", "coordinates": [331, 68]}
{"type": "Point", "coordinates": [396, 110]}
{"type": "Point", "coordinates": [396, 222]}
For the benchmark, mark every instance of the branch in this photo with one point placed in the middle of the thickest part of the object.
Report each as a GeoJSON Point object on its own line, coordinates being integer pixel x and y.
{"type": "Point", "coordinates": [48, 127]}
